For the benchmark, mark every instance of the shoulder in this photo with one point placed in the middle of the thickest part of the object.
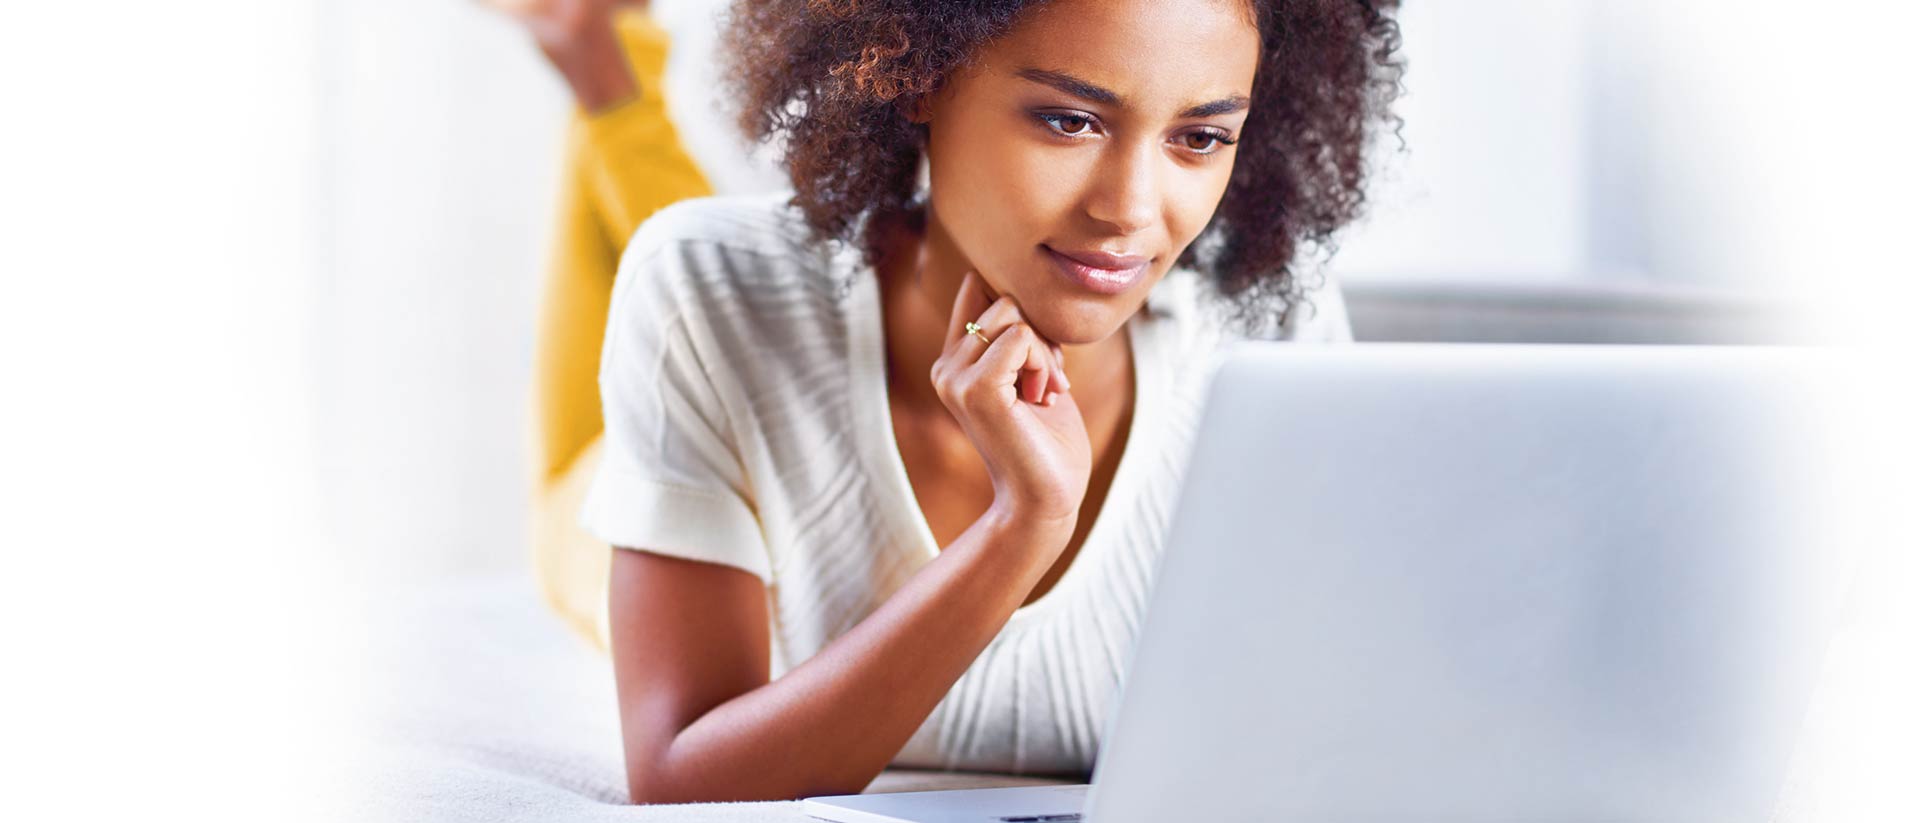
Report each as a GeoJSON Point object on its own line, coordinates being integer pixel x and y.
{"type": "Point", "coordinates": [754, 235]}
{"type": "Point", "coordinates": [755, 222]}
{"type": "Point", "coordinates": [732, 255]}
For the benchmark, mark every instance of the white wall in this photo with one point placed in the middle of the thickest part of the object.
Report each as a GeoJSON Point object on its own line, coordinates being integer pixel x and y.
{"type": "Point", "coordinates": [1493, 181]}
{"type": "Point", "coordinates": [441, 127]}
{"type": "Point", "coordinates": [1607, 141]}
{"type": "Point", "coordinates": [157, 528]}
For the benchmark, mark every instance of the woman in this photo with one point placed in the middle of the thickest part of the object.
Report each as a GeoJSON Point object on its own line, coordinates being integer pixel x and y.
{"type": "Point", "coordinates": [888, 465]}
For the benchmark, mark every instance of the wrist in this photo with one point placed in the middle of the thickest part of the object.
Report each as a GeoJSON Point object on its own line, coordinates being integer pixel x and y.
{"type": "Point", "coordinates": [1049, 531]}
{"type": "Point", "coordinates": [594, 65]}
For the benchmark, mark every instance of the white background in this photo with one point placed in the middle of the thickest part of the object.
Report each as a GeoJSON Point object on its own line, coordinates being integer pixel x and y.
{"type": "Point", "coordinates": [267, 283]}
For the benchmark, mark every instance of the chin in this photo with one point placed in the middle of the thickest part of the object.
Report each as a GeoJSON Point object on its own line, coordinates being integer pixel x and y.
{"type": "Point", "coordinates": [1079, 322]}
{"type": "Point", "coordinates": [1074, 317]}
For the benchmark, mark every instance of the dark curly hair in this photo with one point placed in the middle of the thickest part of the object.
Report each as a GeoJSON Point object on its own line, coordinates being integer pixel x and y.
{"type": "Point", "coordinates": [831, 80]}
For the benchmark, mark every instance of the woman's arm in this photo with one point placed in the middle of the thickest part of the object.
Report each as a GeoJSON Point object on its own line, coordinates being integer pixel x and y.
{"type": "Point", "coordinates": [701, 721]}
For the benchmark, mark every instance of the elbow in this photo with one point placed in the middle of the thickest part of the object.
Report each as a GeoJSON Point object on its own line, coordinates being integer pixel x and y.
{"type": "Point", "coordinates": [644, 786]}
{"type": "Point", "coordinates": [650, 782]}
{"type": "Point", "coordinates": [659, 771]}
{"type": "Point", "coordinates": [642, 791]}
{"type": "Point", "coordinates": [648, 786]}
{"type": "Point", "coordinates": [651, 774]}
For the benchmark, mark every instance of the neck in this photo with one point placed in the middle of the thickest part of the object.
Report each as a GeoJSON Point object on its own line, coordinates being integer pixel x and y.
{"type": "Point", "coordinates": [920, 276]}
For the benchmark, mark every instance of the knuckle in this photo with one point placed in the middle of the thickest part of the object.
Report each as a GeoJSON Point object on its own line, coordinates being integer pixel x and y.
{"type": "Point", "coordinates": [967, 393]}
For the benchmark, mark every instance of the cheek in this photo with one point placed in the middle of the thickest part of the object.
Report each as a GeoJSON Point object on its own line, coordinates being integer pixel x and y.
{"type": "Point", "coordinates": [998, 194]}
{"type": "Point", "coordinates": [1192, 203]}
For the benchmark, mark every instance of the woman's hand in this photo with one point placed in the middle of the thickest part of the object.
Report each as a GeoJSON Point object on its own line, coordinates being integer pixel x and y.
{"type": "Point", "coordinates": [1011, 398]}
{"type": "Point", "coordinates": [577, 37]}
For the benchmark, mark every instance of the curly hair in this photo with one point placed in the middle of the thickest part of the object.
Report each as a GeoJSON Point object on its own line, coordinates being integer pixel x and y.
{"type": "Point", "coordinates": [830, 81]}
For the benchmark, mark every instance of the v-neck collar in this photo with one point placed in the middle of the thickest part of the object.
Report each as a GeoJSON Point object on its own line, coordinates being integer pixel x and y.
{"type": "Point", "coordinates": [873, 412]}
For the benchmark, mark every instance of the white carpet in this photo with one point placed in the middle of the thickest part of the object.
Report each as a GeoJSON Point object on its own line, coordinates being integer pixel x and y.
{"type": "Point", "coordinates": [480, 706]}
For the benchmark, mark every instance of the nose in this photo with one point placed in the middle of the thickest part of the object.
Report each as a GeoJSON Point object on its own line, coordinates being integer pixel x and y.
{"type": "Point", "coordinates": [1125, 192]}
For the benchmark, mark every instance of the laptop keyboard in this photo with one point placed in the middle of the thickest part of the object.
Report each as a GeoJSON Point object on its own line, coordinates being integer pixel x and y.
{"type": "Point", "coordinates": [1044, 818]}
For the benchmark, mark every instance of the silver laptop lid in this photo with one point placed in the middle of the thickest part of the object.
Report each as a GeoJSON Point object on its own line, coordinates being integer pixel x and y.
{"type": "Point", "coordinates": [1483, 583]}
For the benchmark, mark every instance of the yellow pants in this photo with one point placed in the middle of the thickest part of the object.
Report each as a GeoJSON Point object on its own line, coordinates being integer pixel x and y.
{"type": "Point", "coordinates": [622, 165]}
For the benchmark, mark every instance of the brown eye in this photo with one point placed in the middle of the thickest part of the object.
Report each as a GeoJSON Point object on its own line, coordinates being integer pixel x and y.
{"type": "Point", "coordinates": [1068, 124]}
{"type": "Point", "coordinates": [1204, 142]}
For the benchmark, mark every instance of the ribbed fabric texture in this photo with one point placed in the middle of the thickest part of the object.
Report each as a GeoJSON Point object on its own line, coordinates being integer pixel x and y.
{"type": "Point", "coordinates": [744, 391]}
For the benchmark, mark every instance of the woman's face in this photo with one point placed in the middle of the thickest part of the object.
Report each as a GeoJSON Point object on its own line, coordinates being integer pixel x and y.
{"type": "Point", "coordinates": [1080, 154]}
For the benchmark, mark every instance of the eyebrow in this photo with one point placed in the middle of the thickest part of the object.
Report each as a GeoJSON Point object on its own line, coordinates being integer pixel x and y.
{"type": "Point", "coordinates": [1088, 91]}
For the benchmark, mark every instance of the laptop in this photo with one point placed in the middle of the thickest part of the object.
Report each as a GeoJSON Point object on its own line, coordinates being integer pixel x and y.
{"type": "Point", "coordinates": [1485, 583]}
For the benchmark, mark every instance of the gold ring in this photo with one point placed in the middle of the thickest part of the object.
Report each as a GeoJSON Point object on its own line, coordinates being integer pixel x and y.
{"type": "Point", "coordinates": [974, 329]}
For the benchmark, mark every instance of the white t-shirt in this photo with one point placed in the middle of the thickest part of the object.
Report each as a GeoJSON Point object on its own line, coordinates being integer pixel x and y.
{"type": "Point", "coordinates": [747, 423]}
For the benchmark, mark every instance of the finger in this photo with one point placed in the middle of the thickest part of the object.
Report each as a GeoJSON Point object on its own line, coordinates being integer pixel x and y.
{"type": "Point", "coordinates": [1018, 358]}
{"type": "Point", "coordinates": [994, 321]}
{"type": "Point", "coordinates": [968, 303]}
{"type": "Point", "coordinates": [1039, 369]}
{"type": "Point", "coordinates": [1004, 314]}
{"type": "Point", "coordinates": [1060, 362]}
{"type": "Point", "coordinates": [999, 319]}
{"type": "Point", "coordinates": [968, 347]}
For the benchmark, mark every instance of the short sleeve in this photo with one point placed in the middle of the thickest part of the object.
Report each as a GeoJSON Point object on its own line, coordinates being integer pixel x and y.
{"type": "Point", "coordinates": [671, 479]}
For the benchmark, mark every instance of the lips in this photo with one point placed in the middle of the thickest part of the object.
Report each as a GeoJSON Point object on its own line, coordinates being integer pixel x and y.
{"type": "Point", "coordinates": [1099, 271]}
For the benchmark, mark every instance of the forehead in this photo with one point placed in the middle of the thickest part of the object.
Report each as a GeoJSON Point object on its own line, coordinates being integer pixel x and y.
{"type": "Point", "coordinates": [1152, 53]}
